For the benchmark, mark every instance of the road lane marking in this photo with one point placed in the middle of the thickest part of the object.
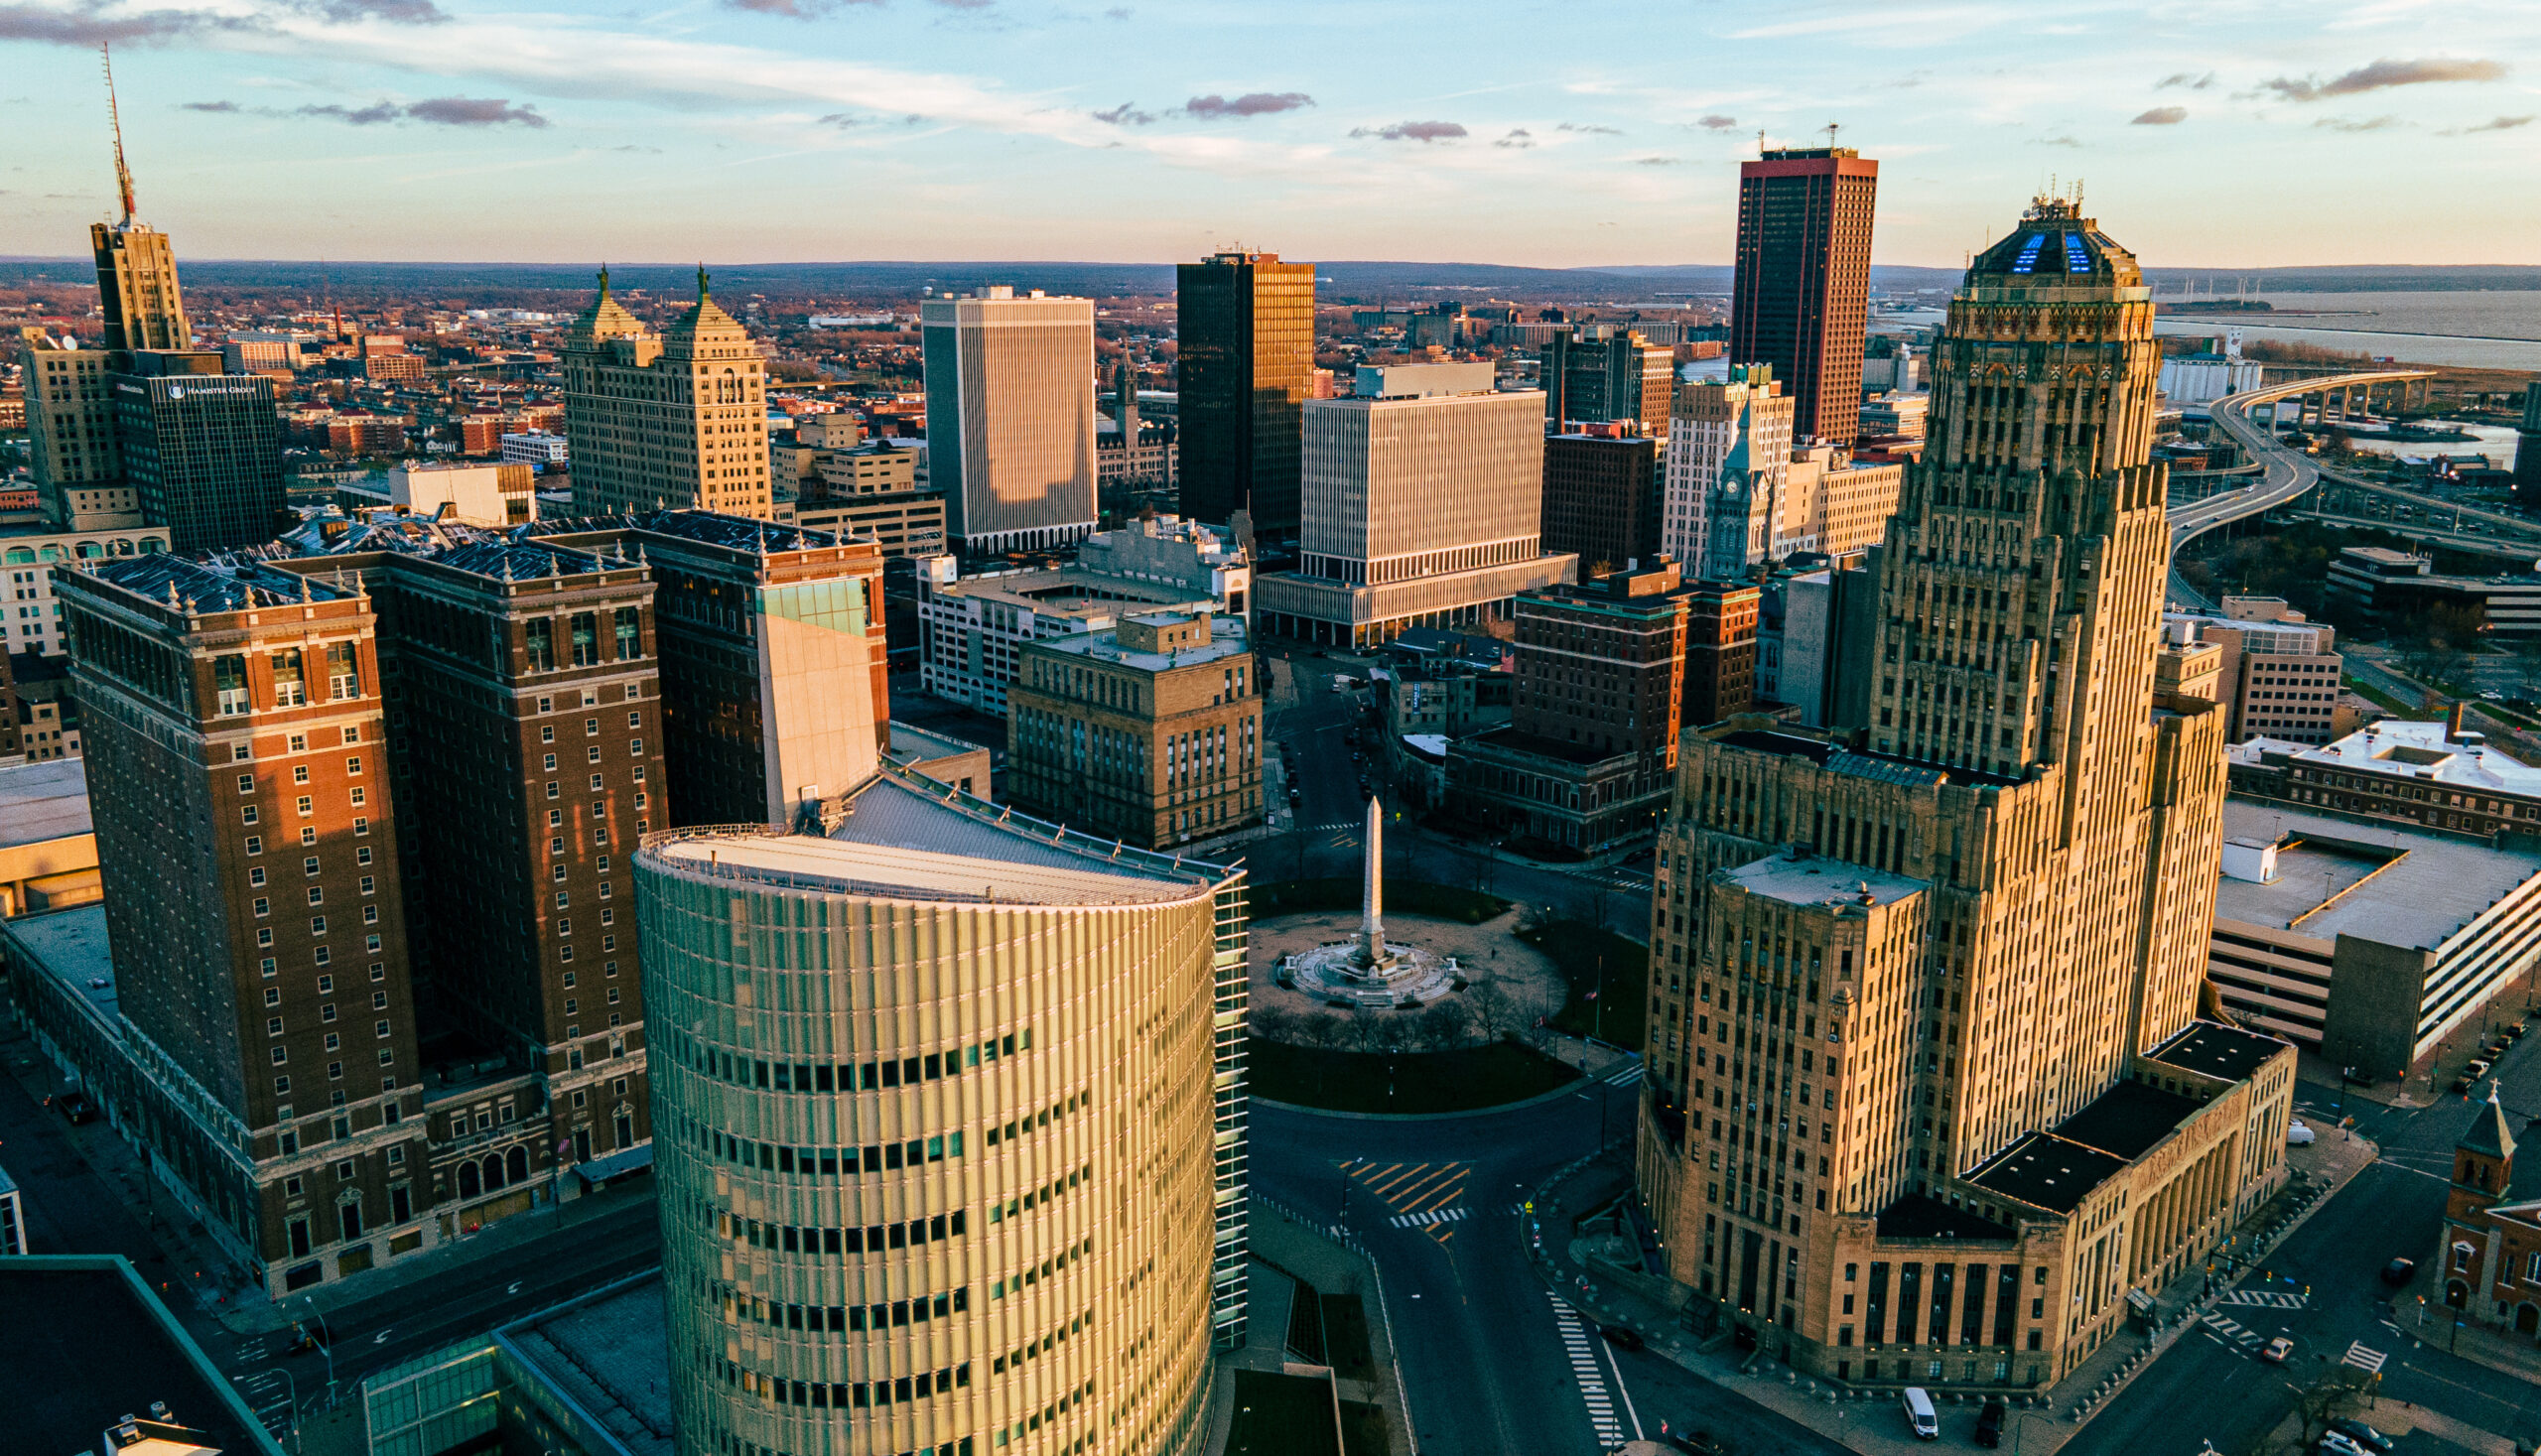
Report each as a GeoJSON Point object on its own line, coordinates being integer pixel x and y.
{"type": "Point", "coordinates": [2364, 1358]}
{"type": "Point", "coordinates": [1622, 1393]}
{"type": "Point", "coordinates": [1577, 1342]}
{"type": "Point", "coordinates": [1428, 1219]}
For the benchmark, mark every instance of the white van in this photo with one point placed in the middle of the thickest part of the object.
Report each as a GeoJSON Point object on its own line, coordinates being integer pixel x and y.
{"type": "Point", "coordinates": [1919, 1414]}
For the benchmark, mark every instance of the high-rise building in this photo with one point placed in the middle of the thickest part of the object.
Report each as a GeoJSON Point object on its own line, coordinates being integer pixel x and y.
{"type": "Point", "coordinates": [136, 269]}
{"type": "Point", "coordinates": [900, 1213]}
{"type": "Point", "coordinates": [1622, 376]}
{"type": "Point", "coordinates": [2278, 675]}
{"type": "Point", "coordinates": [1801, 299]}
{"type": "Point", "coordinates": [1931, 1096]}
{"type": "Point", "coordinates": [669, 421]}
{"type": "Point", "coordinates": [1720, 652]}
{"type": "Point", "coordinates": [2527, 447]}
{"type": "Point", "coordinates": [1010, 416]}
{"type": "Point", "coordinates": [201, 449]}
{"type": "Point", "coordinates": [1602, 496]}
{"type": "Point", "coordinates": [247, 838]}
{"type": "Point", "coordinates": [1244, 366]}
{"type": "Point", "coordinates": [1149, 731]}
{"type": "Point", "coordinates": [1728, 458]}
{"type": "Point", "coordinates": [1422, 506]}
{"type": "Point", "coordinates": [70, 429]}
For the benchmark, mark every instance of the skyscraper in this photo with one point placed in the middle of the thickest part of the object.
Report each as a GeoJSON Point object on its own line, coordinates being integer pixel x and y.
{"type": "Point", "coordinates": [136, 268]}
{"type": "Point", "coordinates": [1010, 416]}
{"type": "Point", "coordinates": [70, 425]}
{"type": "Point", "coordinates": [1622, 376]}
{"type": "Point", "coordinates": [1939, 981]}
{"type": "Point", "coordinates": [1246, 364]}
{"type": "Point", "coordinates": [975, 1179]}
{"type": "Point", "coordinates": [201, 449]}
{"type": "Point", "coordinates": [1802, 297]}
{"type": "Point", "coordinates": [670, 421]}
{"type": "Point", "coordinates": [1602, 496]}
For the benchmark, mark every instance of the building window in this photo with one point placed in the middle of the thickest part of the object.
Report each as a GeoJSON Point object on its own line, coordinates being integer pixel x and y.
{"type": "Point", "coordinates": [288, 690]}
{"type": "Point", "coordinates": [247, 814]}
{"type": "Point", "coordinates": [629, 637]}
{"type": "Point", "coordinates": [585, 628]}
{"type": "Point", "coordinates": [344, 672]}
{"type": "Point", "coordinates": [540, 646]}
{"type": "Point", "coordinates": [309, 866]}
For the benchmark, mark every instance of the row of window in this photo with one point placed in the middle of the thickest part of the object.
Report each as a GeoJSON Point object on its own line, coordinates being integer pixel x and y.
{"type": "Point", "coordinates": [859, 1395]}
{"type": "Point", "coordinates": [851, 1076]}
{"type": "Point", "coordinates": [833, 1161]}
{"type": "Point", "coordinates": [852, 1318]}
{"type": "Point", "coordinates": [870, 1238]}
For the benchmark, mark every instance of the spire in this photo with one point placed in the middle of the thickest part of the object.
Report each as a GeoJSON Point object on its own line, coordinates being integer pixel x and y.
{"type": "Point", "coordinates": [114, 120]}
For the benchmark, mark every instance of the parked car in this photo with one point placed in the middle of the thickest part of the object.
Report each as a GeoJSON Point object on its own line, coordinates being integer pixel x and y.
{"type": "Point", "coordinates": [2477, 1067]}
{"type": "Point", "coordinates": [2299, 1136]}
{"type": "Point", "coordinates": [1989, 1424]}
{"type": "Point", "coordinates": [2398, 1272]}
{"type": "Point", "coordinates": [1621, 1337]}
{"type": "Point", "coordinates": [2333, 1444]}
{"type": "Point", "coordinates": [2460, 1085]}
{"type": "Point", "coordinates": [1921, 1415]}
{"type": "Point", "coordinates": [2361, 1434]}
{"type": "Point", "coordinates": [2277, 1350]}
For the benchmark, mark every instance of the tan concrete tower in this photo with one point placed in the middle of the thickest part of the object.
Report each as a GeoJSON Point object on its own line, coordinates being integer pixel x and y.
{"type": "Point", "coordinates": [670, 421]}
{"type": "Point", "coordinates": [136, 267]}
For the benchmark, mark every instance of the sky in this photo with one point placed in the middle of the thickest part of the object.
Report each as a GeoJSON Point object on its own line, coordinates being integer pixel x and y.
{"type": "Point", "coordinates": [2205, 133]}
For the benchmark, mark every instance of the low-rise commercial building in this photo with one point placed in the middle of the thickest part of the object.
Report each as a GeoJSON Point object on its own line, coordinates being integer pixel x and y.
{"type": "Point", "coordinates": [2365, 943]}
{"type": "Point", "coordinates": [2434, 776]}
{"type": "Point", "coordinates": [2385, 584]}
{"type": "Point", "coordinates": [47, 846]}
{"type": "Point", "coordinates": [496, 496]}
{"type": "Point", "coordinates": [2277, 675]}
{"type": "Point", "coordinates": [1149, 732]}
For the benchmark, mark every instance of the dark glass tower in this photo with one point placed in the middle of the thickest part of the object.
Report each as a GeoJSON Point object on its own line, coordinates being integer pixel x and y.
{"type": "Point", "coordinates": [1247, 359]}
{"type": "Point", "coordinates": [202, 450]}
{"type": "Point", "coordinates": [1802, 291]}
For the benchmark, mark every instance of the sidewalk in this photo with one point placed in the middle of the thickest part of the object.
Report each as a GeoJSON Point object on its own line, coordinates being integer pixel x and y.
{"type": "Point", "coordinates": [1862, 1419]}
{"type": "Point", "coordinates": [1287, 1249]}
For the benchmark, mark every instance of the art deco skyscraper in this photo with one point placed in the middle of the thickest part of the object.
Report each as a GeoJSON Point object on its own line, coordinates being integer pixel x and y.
{"type": "Point", "coordinates": [1246, 342]}
{"type": "Point", "coordinates": [1010, 416]}
{"type": "Point", "coordinates": [1802, 297]}
{"type": "Point", "coordinates": [136, 268]}
{"type": "Point", "coordinates": [676, 420]}
{"type": "Point", "coordinates": [1939, 979]}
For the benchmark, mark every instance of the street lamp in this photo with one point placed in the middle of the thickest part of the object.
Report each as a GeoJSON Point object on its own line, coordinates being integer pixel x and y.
{"type": "Point", "coordinates": [325, 1342]}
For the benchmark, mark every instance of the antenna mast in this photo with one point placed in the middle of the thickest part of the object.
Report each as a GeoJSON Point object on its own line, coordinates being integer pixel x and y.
{"type": "Point", "coordinates": [114, 120]}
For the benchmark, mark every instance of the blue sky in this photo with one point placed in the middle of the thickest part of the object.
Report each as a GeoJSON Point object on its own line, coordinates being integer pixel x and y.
{"type": "Point", "coordinates": [2231, 133]}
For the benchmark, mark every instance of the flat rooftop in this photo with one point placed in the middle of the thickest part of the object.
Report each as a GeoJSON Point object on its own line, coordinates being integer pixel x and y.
{"type": "Point", "coordinates": [2420, 752]}
{"type": "Point", "coordinates": [2127, 1120]}
{"type": "Point", "coordinates": [1226, 639]}
{"type": "Point", "coordinates": [1076, 591]}
{"type": "Point", "coordinates": [2045, 1171]}
{"type": "Point", "coordinates": [2385, 883]}
{"type": "Point", "coordinates": [71, 945]}
{"type": "Point", "coordinates": [44, 801]}
{"type": "Point", "coordinates": [2217, 1050]}
{"type": "Point", "coordinates": [83, 1343]}
{"type": "Point", "coordinates": [1922, 1215]}
{"type": "Point", "coordinates": [1818, 881]}
{"type": "Point", "coordinates": [609, 1354]}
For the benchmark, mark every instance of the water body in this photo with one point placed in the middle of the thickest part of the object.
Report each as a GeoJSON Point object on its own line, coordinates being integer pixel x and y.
{"type": "Point", "coordinates": [2469, 328]}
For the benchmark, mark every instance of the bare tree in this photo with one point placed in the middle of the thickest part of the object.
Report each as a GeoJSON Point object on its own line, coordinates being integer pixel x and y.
{"type": "Point", "coordinates": [1444, 1024]}
{"type": "Point", "coordinates": [1491, 1011]}
{"type": "Point", "coordinates": [2340, 1392]}
{"type": "Point", "coordinates": [1274, 1023]}
{"type": "Point", "coordinates": [1325, 1029]}
{"type": "Point", "coordinates": [1375, 1033]}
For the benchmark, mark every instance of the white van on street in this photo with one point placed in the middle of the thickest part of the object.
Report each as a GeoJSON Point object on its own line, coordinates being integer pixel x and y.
{"type": "Point", "coordinates": [1919, 1414]}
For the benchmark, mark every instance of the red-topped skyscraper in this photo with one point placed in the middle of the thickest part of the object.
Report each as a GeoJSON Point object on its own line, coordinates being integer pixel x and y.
{"type": "Point", "coordinates": [1802, 291]}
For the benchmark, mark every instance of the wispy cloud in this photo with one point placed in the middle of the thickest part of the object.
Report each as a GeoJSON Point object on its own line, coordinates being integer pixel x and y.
{"type": "Point", "coordinates": [1251, 103]}
{"type": "Point", "coordinates": [2383, 74]}
{"type": "Point", "coordinates": [211, 106]}
{"type": "Point", "coordinates": [1518, 139]}
{"type": "Point", "coordinates": [2059, 141]}
{"type": "Point", "coordinates": [1412, 131]}
{"type": "Point", "coordinates": [2185, 80]}
{"type": "Point", "coordinates": [2161, 116]}
{"type": "Point", "coordinates": [795, 9]}
{"type": "Point", "coordinates": [1124, 115]}
{"type": "Point", "coordinates": [2503, 123]}
{"type": "Point", "coordinates": [1655, 160]}
{"type": "Point", "coordinates": [1716, 122]}
{"type": "Point", "coordinates": [2351, 123]}
{"type": "Point", "coordinates": [438, 110]}
{"type": "Point", "coordinates": [93, 24]}
{"type": "Point", "coordinates": [1589, 129]}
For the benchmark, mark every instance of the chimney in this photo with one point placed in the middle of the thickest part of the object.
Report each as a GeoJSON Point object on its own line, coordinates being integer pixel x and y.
{"type": "Point", "coordinates": [2452, 723]}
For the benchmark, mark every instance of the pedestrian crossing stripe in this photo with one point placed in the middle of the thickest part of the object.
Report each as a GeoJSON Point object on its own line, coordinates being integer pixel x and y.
{"type": "Point", "coordinates": [1583, 1366]}
{"type": "Point", "coordinates": [1424, 1220]}
{"type": "Point", "coordinates": [2234, 1330]}
{"type": "Point", "coordinates": [1628, 1076]}
{"type": "Point", "coordinates": [2263, 1298]}
{"type": "Point", "coordinates": [2368, 1361]}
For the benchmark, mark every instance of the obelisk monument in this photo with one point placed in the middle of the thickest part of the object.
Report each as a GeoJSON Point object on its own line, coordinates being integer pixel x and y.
{"type": "Point", "coordinates": [1371, 894]}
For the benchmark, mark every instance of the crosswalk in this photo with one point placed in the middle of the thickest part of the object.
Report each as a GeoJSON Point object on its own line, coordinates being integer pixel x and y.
{"type": "Point", "coordinates": [1428, 1219]}
{"type": "Point", "coordinates": [2235, 1332]}
{"type": "Point", "coordinates": [1415, 1193]}
{"type": "Point", "coordinates": [2260, 1298]}
{"type": "Point", "coordinates": [2364, 1358]}
{"type": "Point", "coordinates": [1576, 1343]}
{"type": "Point", "coordinates": [1627, 1075]}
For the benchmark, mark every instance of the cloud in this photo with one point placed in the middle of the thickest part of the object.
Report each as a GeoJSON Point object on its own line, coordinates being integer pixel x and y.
{"type": "Point", "coordinates": [1717, 122]}
{"type": "Point", "coordinates": [211, 106]}
{"type": "Point", "coordinates": [633, 147]}
{"type": "Point", "coordinates": [2185, 80]}
{"type": "Point", "coordinates": [1251, 103]}
{"type": "Point", "coordinates": [90, 25]}
{"type": "Point", "coordinates": [400, 11]}
{"type": "Point", "coordinates": [2349, 123]}
{"type": "Point", "coordinates": [2059, 141]}
{"type": "Point", "coordinates": [1655, 160]}
{"type": "Point", "coordinates": [2161, 116]}
{"type": "Point", "coordinates": [1124, 115]}
{"type": "Point", "coordinates": [1412, 131]}
{"type": "Point", "coordinates": [795, 9]}
{"type": "Point", "coordinates": [365, 117]}
{"type": "Point", "coordinates": [1516, 141]}
{"type": "Point", "coordinates": [438, 110]}
{"type": "Point", "coordinates": [1119, 12]}
{"type": "Point", "coordinates": [2503, 123]}
{"type": "Point", "coordinates": [1588, 129]}
{"type": "Point", "coordinates": [2383, 74]}
{"type": "Point", "coordinates": [965, 4]}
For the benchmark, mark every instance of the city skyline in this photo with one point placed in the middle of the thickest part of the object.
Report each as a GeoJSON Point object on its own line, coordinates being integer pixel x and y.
{"type": "Point", "coordinates": [420, 130]}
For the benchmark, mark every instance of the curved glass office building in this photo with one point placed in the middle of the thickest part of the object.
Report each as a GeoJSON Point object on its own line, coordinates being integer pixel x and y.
{"type": "Point", "coordinates": [949, 1138]}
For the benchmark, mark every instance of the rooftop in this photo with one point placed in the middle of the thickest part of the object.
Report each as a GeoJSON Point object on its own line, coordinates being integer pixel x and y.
{"type": "Point", "coordinates": [710, 528]}
{"type": "Point", "coordinates": [83, 1343]}
{"type": "Point", "coordinates": [1226, 639]}
{"type": "Point", "coordinates": [228, 584]}
{"type": "Point", "coordinates": [2217, 1050]}
{"type": "Point", "coordinates": [2127, 1120]}
{"type": "Point", "coordinates": [2046, 1171]}
{"type": "Point", "coordinates": [609, 1354]}
{"type": "Point", "coordinates": [2392, 885]}
{"type": "Point", "coordinates": [71, 945]}
{"type": "Point", "coordinates": [1922, 1215]}
{"type": "Point", "coordinates": [44, 801]}
{"type": "Point", "coordinates": [1073, 590]}
{"type": "Point", "coordinates": [1836, 759]}
{"type": "Point", "coordinates": [520, 561]}
{"type": "Point", "coordinates": [2423, 752]}
{"type": "Point", "coordinates": [1813, 880]}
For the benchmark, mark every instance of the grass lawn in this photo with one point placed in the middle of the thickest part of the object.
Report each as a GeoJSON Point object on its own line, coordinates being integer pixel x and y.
{"type": "Point", "coordinates": [1601, 961]}
{"type": "Point", "coordinates": [1409, 1082]}
{"type": "Point", "coordinates": [1411, 896]}
{"type": "Point", "coordinates": [2381, 700]}
{"type": "Point", "coordinates": [1283, 1415]}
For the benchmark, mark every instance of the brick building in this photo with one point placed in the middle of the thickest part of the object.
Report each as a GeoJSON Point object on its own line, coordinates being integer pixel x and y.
{"type": "Point", "coordinates": [1720, 652]}
{"type": "Point", "coordinates": [1601, 497]}
{"type": "Point", "coordinates": [2489, 1256]}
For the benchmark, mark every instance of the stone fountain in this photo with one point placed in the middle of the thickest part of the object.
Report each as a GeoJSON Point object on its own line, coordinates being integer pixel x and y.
{"type": "Point", "coordinates": [1369, 971]}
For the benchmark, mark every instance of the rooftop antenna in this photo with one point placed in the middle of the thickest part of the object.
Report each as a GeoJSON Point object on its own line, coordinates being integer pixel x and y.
{"type": "Point", "coordinates": [1830, 136]}
{"type": "Point", "coordinates": [1760, 141]}
{"type": "Point", "coordinates": [114, 120]}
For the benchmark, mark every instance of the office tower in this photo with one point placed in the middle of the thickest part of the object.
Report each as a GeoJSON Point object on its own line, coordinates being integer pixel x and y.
{"type": "Point", "coordinates": [1832, 504]}
{"type": "Point", "coordinates": [1728, 457]}
{"type": "Point", "coordinates": [71, 427]}
{"type": "Point", "coordinates": [1149, 732]}
{"type": "Point", "coordinates": [901, 1212]}
{"type": "Point", "coordinates": [773, 668]}
{"type": "Point", "coordinates": [201, 449]}
{"type": "Point", "coordinates": [1801, 294]}
{"type": "Point", "coordinates": [136, 268]}
{"type": "Point", "coordinates": [1010, 416]}
{"type": "Point", "coordinates": [1421, 505]}
{"type": "Point", "coordinates": [1931, 1095]}
{"type": "Point", "coordinates": [1589, 753]}
{"type": "Point", "coordinates": [1622, 376]}
{"type": "Point", "coordinates": [1602, 496]}
{"type": "Point", "coordinates": [247, 839]}
{"type": "Point", "coordinates": [1720, 652]}
{"type": "Point", "coordinates": [1244, 335]}
{"type": "Point", "coordinates": [2276, 674]}
{"type": "Point", "coordinates": [529, 752]}
{"type": "Point", "coordinates": [2527, 446]}
{"type": "Point", "coordinates": [669, 421]}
